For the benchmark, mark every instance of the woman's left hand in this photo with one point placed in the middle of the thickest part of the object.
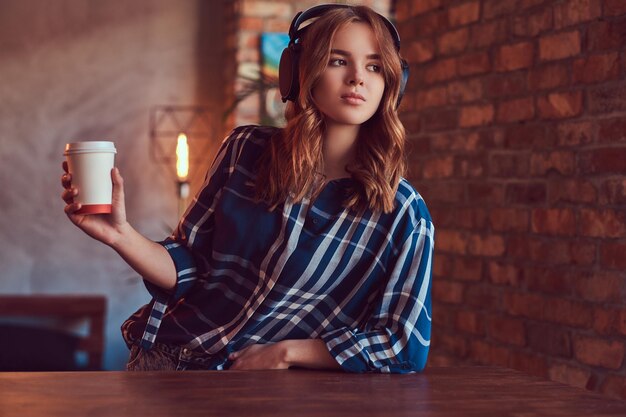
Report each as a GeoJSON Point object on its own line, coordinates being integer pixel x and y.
{"type": "Point", "coordinates": [260, 356]}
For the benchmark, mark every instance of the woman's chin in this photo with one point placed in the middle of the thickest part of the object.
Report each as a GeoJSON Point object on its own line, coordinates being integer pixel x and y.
{"type": "Point", "coordinates": [348, 119]}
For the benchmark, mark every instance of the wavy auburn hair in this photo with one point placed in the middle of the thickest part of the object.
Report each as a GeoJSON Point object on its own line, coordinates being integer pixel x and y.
{"type": "Point", "coordinates": [292, 161]}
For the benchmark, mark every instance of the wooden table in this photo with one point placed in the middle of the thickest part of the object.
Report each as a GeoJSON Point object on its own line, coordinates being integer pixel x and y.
{"type": "Point", "coordinates": [455, 392]}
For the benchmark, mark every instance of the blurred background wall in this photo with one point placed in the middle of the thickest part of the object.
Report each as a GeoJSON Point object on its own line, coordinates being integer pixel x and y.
{"type": "Point", "coordinates": [93, 70]}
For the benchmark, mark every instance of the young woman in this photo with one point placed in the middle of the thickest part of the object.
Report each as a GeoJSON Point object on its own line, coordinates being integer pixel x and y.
{"type": "Point", "coordinates": [305, 247]}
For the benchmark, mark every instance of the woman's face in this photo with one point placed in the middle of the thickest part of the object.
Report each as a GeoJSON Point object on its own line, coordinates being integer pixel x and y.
{"type": "Point", "coordinates": [350, 89]}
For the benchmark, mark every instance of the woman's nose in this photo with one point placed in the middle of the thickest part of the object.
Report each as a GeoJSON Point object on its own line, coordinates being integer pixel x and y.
{"type": "Point", "coordinates": [355, 78]}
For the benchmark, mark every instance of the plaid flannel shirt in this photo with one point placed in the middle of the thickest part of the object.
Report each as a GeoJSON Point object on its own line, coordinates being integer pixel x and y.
{"type": "Point", "coordinates": [361, 282]}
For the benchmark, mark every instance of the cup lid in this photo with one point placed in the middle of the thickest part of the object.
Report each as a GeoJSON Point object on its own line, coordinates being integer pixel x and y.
{"type": "Point", "coordinates": [90, 146]}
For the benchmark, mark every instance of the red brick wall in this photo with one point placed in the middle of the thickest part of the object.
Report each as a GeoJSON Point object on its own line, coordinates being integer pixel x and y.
{"type": "Point", "coordinates": [232, 12]}
{"type": "Point", "coordinates": [516, 113]}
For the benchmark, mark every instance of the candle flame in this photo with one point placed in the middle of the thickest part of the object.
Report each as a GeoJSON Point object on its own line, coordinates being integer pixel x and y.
{"type": "Point", "coordinates": [182, 157]}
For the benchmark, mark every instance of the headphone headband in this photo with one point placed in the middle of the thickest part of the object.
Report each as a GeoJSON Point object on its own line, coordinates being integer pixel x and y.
{"type": "Point", "coordinates": [316, 11]}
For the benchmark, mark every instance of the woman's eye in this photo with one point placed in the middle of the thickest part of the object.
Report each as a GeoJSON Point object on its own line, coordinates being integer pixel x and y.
{"type": "Point", "coordinates": [374, 67]}
{"type": "Point", "coordinates": [337, 62]}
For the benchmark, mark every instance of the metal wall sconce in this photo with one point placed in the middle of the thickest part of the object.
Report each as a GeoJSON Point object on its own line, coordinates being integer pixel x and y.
{"type": "Point", "coordinates": [180, 138]}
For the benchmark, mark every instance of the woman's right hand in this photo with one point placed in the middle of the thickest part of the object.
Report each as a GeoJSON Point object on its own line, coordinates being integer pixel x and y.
{"type": "Point", "coordinates": [106, 228]}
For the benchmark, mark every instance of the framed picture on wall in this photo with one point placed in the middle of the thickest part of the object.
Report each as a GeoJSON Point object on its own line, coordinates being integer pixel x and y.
{"type": "Point", "coordinates": [272, 107]}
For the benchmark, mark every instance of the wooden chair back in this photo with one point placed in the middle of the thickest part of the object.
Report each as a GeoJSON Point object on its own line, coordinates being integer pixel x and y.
{"type": "Point", "coordinates": [92, 307]}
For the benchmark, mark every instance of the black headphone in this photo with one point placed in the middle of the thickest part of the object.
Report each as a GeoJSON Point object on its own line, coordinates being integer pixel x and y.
{"type": "Point", "coordinates": [288, 69]}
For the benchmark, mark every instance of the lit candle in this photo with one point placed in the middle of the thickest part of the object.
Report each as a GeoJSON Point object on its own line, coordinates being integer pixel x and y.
{"type": "Point", "coordinates": [182, 157]}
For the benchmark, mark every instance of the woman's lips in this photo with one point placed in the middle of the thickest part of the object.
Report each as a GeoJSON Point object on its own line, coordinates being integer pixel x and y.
{"type": "Point", "coordinates": [353, 98]}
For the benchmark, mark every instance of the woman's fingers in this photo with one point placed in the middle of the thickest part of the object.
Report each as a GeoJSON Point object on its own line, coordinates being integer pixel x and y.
{"type": "Point", "coordinates": [66, 180]}
{"type": "Point", "coordinates": [68, 195]}
{"type": "Point", "coordinates": [72, 208]}
{"type": "Point", "coordinates": [118, 181]}
{"type": "Point", "coordinates": [69, 192]}
{"type": "Point", "coordinates": [117, 197]}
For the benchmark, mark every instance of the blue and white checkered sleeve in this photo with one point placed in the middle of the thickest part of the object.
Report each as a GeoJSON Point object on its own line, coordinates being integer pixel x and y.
{"type": "Point", "coordinates": [191, 240]}
{"type": "Point", "coordinates": [396, 338]}
{"type": "Point", "coordinates": [185, 272]}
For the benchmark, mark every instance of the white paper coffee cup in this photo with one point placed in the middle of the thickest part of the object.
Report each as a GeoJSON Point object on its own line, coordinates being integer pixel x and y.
{"type": "Point", "coordinates": [90, 164]}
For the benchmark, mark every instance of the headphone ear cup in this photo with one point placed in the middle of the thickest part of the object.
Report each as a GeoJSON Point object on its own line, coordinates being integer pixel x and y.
{"type": "Point", "coordinates": [288, 74]}
{"type": "Point", "coordinates": [403, 81]}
